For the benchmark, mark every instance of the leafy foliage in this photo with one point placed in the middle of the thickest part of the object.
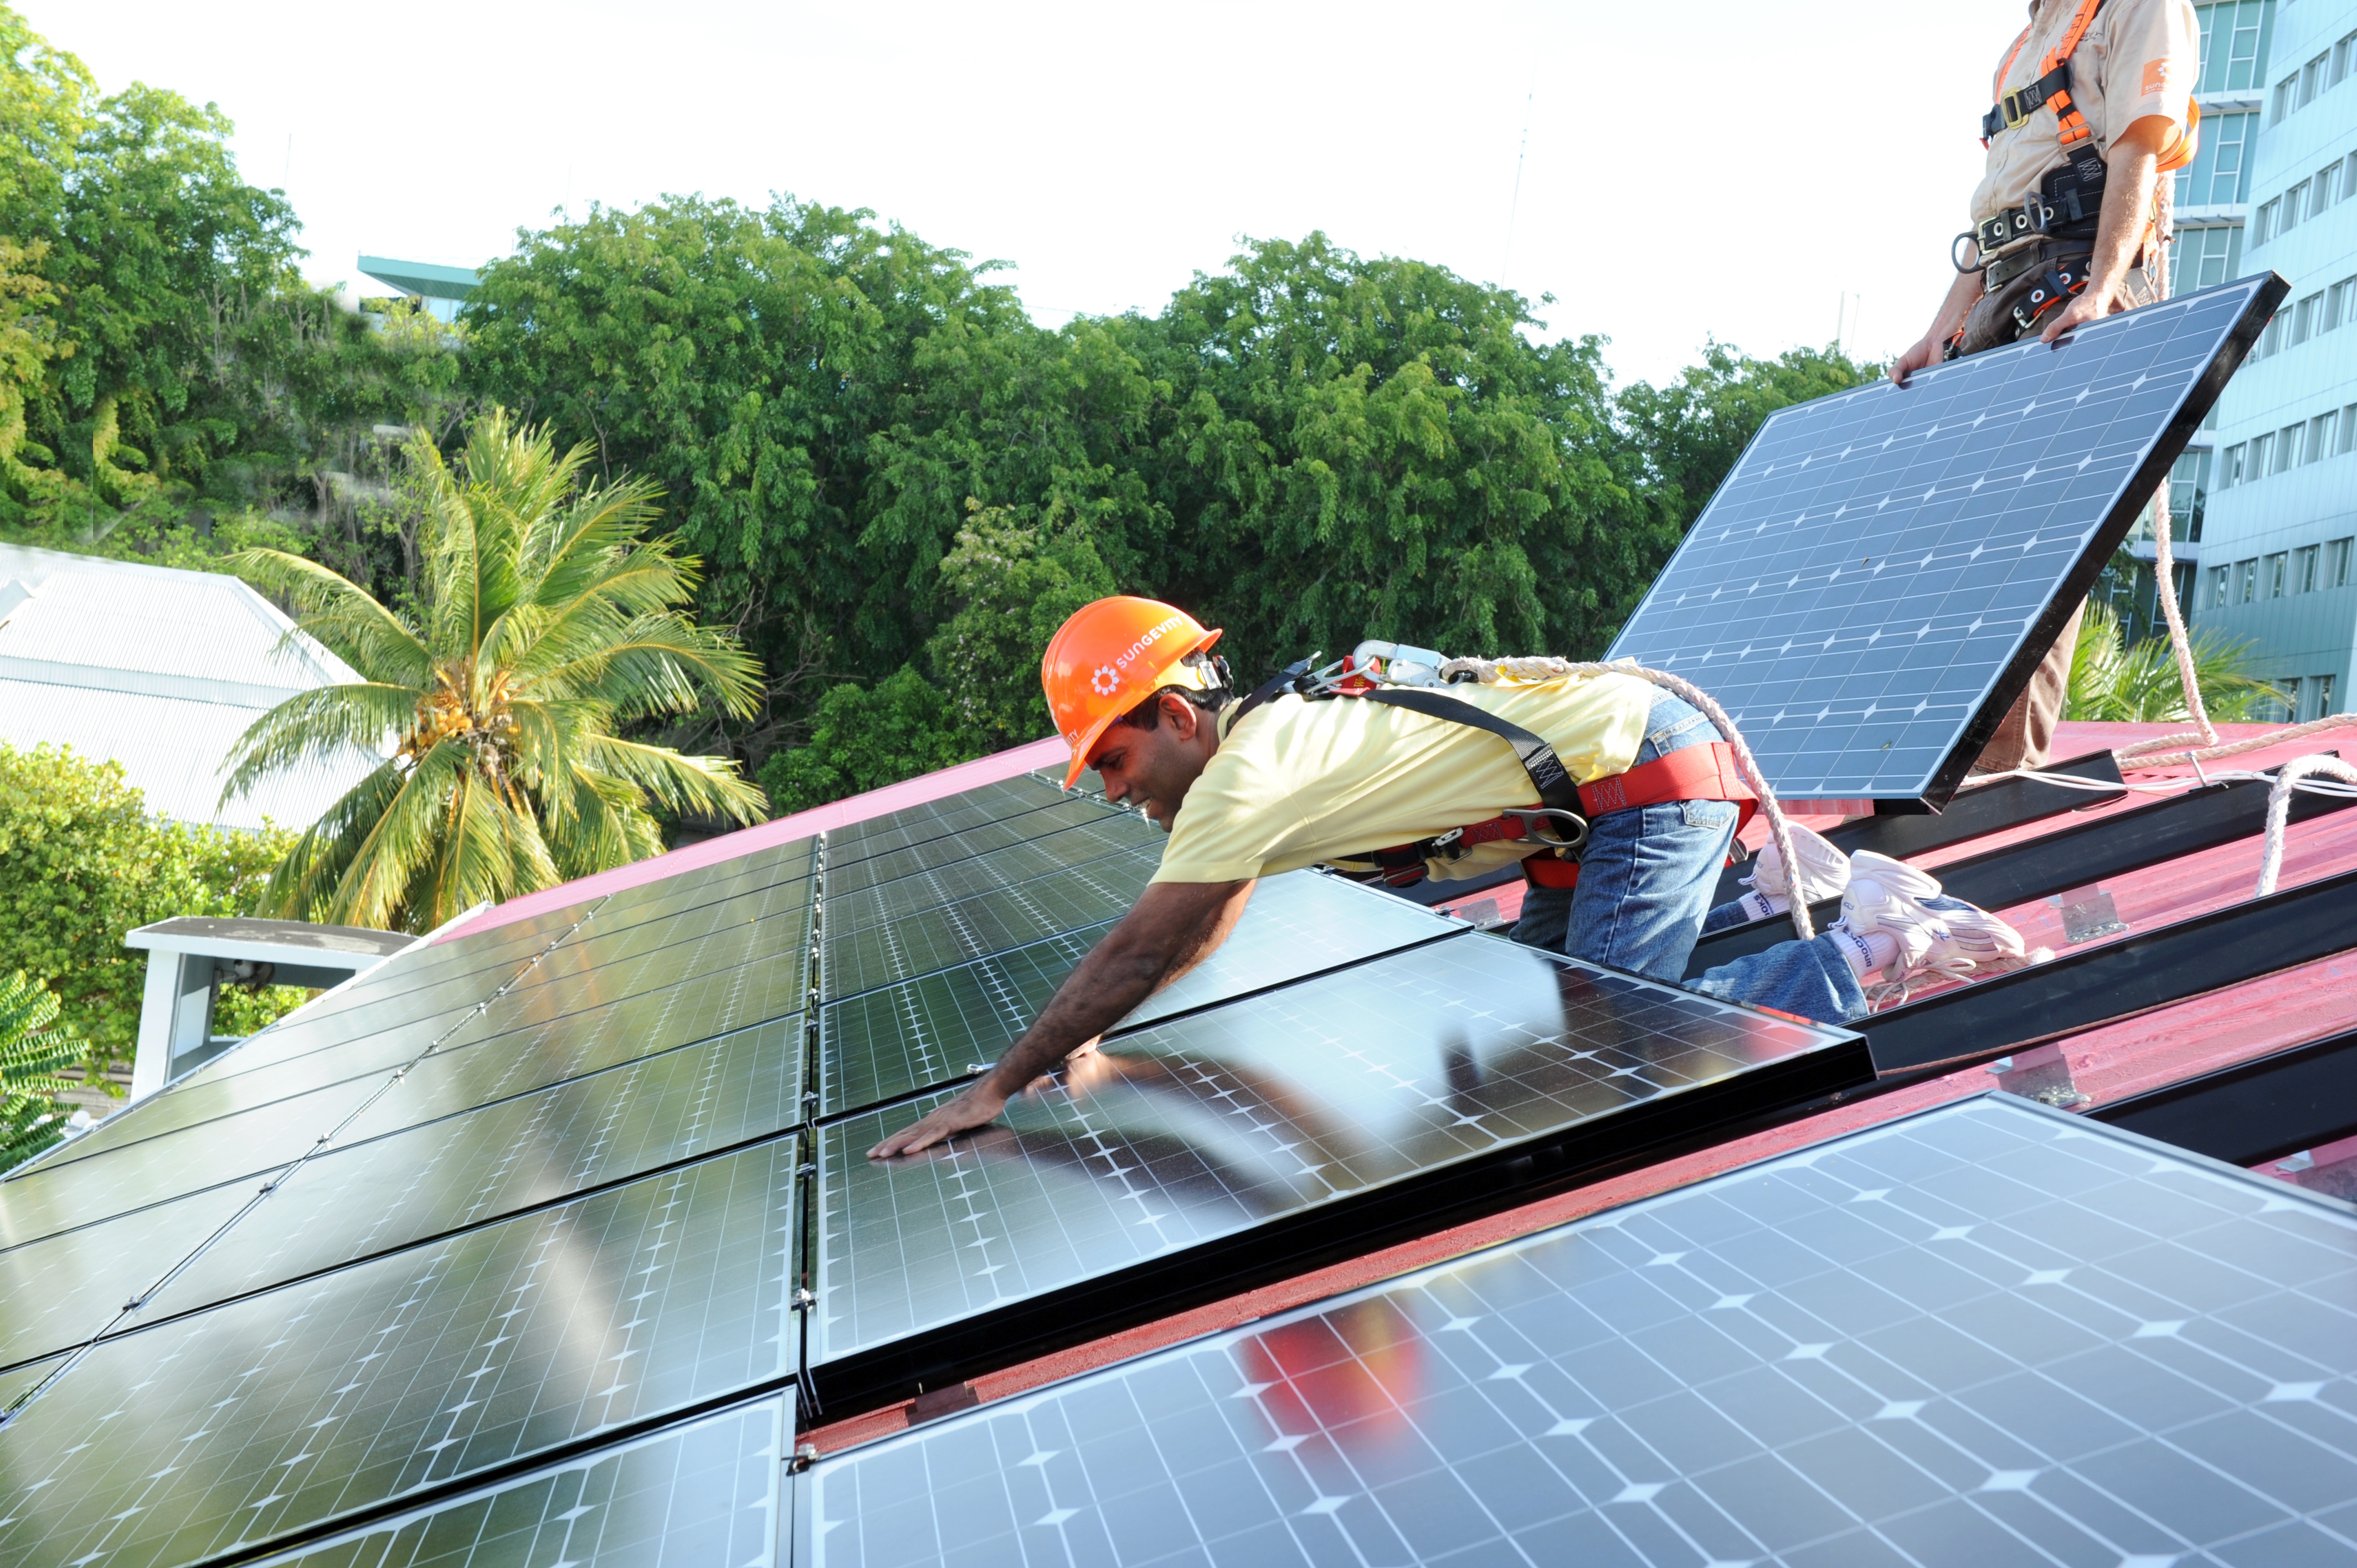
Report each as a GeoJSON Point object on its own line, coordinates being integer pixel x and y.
{"type": "Point", "coordinates": [1693, 430]}
{"type": "Point", "coordinates": [33, 1051]}
{"type": "Point", "coordinates": [2138, 682]}
{"type": "Point", "coordinates": [864, 739]}
{"type": "Point", "coordinates": [544, 626]}
{"type": "Point", "coordinates": [81, 864]}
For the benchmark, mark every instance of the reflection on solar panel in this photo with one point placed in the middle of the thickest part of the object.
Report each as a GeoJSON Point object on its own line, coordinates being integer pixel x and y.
{"type": "Point", "coordinates": [1034, 902]}
{"type": "Point", "coordinates": [1270, 1123]}
{"type": "Point", "coordinates": [1986, 1334]}
{"type": "Point", "coordinates": [61, 1290]}
{"type": "Point", "coordinates": [926, 1032]}
{"type": "Point", "coordinates": [1873, 584]}
{"type": "Point", "coordinates": [1088, 831]}
{"type": "Point", "coordinates": [239, 1424]}
{"type": "Point", "coordinates": [705, 1493]}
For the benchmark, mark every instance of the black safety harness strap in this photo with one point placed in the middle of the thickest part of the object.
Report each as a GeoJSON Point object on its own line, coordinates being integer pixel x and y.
{"type": "Point", "coordinates": [2023, 101]}
{"type": "Point", "coordinates": [1554, 782]}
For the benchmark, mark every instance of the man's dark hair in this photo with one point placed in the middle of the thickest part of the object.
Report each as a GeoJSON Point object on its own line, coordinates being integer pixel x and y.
{"type": "Point", "coordinates": [1147, 714]}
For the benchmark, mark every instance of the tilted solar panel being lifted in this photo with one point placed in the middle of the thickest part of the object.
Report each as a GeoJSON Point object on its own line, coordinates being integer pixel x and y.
{"type": "Point", "coordinates": [1990, 1333]}
{"type": "Point", "coordinates": [1258, 1134]}
{"type": "Point", "coordinates": [941, 1027]}
{"type": "Point", "coordinates": [1876, 582]}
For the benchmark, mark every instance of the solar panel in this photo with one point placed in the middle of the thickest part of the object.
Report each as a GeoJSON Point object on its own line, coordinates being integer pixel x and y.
{"type": "Point", "coordinates": [1874, 583]}
{"type": "Point", "coordinates": [1097, 832]}
{"type": "Point", "coordinates": [1002, 803]}
{"type": "Point", "coordinates": [704, 1493]}
{"type": "Point", "coordinates": [282, 1411]}
{"type": "Point", "coordinates": [932, 1030]}
{"type": "Point", "coordinates": [1024, 910]}
{"type": "Point", "coordinates": [420, 1174]}
{"type": "Point", "coordinates": [1986, 1334]}
{"type": "Point", "coordinates": [1271, 1125]}
{"type": "Point", "coordinates": [62, 1289]}
{"type": "Point", "coordinates": [953, 884]}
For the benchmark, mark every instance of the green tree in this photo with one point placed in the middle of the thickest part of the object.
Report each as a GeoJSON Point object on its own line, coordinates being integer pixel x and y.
{"type": "Point", "coordinates": [1013, 584]}
{"type": "Point", "coordinates": [1692, 430]}
{"type": "Point", "coordinates": [82, 863]}
{"type": "Point", "coordinates": [864, 737]}
{"type": "Point", "coordinates": [545, 625]}
{"type": "Point", "coordinates": [2115, 680]}
{"type": "Point", "coordinates": [1351, 447]}
{"type": "Point", "coordinates": [33, 1051]}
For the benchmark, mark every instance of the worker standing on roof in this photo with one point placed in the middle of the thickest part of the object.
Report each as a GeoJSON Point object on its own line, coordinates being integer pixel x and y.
{"type": "Point", "coordinates": [1636, 783]}
{"type": "Point", "coordinates": [2071, 221]}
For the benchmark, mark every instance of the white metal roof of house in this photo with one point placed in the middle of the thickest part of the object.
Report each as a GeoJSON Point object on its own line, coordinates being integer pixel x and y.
{"type": "Point", "coordinates": [160, 670]}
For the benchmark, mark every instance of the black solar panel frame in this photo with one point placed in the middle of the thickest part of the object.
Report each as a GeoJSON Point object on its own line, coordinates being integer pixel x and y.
{"type": "Point", "coordinates": [2267, 293]}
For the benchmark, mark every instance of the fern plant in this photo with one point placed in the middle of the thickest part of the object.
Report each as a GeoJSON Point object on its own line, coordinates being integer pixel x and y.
{"type": "Point", "coordinates": [33, 1050]}
{"type": "Point", "coordinates": [2121, 681]}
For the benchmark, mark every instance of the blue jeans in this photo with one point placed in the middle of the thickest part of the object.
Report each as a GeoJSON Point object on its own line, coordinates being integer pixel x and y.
{"type": "Point", "coordinates": [1643, 898]}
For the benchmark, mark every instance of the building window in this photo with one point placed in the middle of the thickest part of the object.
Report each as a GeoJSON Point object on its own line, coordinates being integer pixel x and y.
{"type": "Point", "coordinates": [2323, 697]}
{"type": "Point", "coordinates": [2305, 317]}
{"type": "Point", "coordinates": [2311, 78]}
{"type": "Point", "coordinates": [2217, 587]}
{"type": "Point", "coordinates": [2246, 581]}
{"type": "Point", "coordinates": [2303, 569]}
{"type": "Point", "coordinates": [2204, 258]}
{"type": "Point", "coordinates": [2321, 185]}
{"type": "Point", "coordinates": [2295, 205]}
{"type": "Point", "coordinates": [2278, 574]}
{"type": "Point", "coordinates": [2319, 435]}
{"type": "Point", "coordinates": [2280, 104]}
{"type": "Point", "coordinates": [2341, 52]}
{"type": "Point", "coordinates": [2288, 446]}
{"type": "Point", "coordinates": [2241, 62]}
{"type": "Point", "coordinates": [2336, 563]}
{"type": "Point", "coordinates": [2260, 445]}
{"type": "Point", "coordinates": [2348, 429]}
{"type": "Point", "coordinates": [2263, 227]}
{"type": "Point", "coordinates": [2285, 702]}
{"type": "Point", "coordinates": [2189, 495]}
{"type": "Point", "coordinates": [2336, 305]}
{"type": "Point", "coordinates": [2230, 465]}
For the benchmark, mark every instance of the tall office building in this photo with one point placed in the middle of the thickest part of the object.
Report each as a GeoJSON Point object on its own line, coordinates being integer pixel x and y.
{"type": "Point", "coordinates": [2275, 562]}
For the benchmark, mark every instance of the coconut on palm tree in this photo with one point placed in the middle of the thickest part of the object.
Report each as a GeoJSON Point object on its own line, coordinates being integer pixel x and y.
{"type": "Point", "coordinates": [545, 626]}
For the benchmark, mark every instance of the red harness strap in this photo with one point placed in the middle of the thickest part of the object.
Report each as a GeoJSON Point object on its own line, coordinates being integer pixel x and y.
{"type": "Point", "coordinates": [1695, 773]}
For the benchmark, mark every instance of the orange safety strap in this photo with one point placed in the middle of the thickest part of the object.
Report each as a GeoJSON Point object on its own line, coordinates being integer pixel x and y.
{"type": "Point", "coordinates": [1695, 773]}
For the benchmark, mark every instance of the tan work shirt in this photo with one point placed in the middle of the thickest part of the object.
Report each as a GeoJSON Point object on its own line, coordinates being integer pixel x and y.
{"type": "Point", "coordinates": [1299, 783]}
{"type": "Point", "coordinates": [2139, 58]}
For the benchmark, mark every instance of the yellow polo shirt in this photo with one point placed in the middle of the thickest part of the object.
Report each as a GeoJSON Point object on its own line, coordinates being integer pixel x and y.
{"type": "Point", "coordinates": [1299, 783]}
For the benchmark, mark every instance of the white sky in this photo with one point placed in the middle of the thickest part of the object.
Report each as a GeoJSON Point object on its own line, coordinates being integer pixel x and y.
{"type": "Point", "coordinates": [1727, 167]}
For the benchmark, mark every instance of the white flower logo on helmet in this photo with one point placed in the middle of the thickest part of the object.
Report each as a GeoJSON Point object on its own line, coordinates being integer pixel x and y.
{"type": "Point", "coordinates": [1103, 681]}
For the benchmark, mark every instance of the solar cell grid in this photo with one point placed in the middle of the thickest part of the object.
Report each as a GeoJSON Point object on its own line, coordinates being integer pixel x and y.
{"type": "Point", "coordinates": [770, 954]}
{"type": "Point", "coordinates": [693, 1496]}
{"type": "Point", "coordinates": [937, 1028]}
{"type": "Point", "coordinates": [1003, 800]}
{"type": "Point", "coordinates": [50, 1199]}
{"type": "Point", "coordinates": [1884, 567]}
{"type": "Point", "coordinates": [1986, 1334]}
{"type": "Point", "coordinates": [782, 914]}
{"type": "Point", "coordinates": [1020, 912]}
{"type": "Point", "coordinates": [479, 1071]}
{"type": "Point", "coordinates": [1098, 833]}
{"type": "Point", "coordinates": [61, 1290]}
{"type": "Point", "coordinates": [194, 1103]}
{"type": "Point", "coordinates": [979, 828]}
{"type": "Point", "coordinates": [1358, 1083]}
{"type": "Point", "coordinates": [282, 1411]}
{"type": "Point", "coordinates": [399, 1177]}
{"type": "Point", "coordinates": [683, 889]}
{"type": "Point", "coordinates": [848, 913]}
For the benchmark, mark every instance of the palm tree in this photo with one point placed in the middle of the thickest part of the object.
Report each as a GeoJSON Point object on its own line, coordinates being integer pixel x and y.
{"type": "Point", "coordinates": [2113, 679]}
{"type": "Point", "coordinates": [543, 625]}
{"type": "Point", "coordinates": [33, 1053]}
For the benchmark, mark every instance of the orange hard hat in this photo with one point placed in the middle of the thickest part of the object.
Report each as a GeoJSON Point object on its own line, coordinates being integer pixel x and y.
{"type": "Point", "coordinates": [1112, 655]}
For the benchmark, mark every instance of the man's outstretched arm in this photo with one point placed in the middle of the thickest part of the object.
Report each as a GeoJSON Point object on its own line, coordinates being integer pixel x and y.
{"type": "Point", "coordinates": [1171, 929]}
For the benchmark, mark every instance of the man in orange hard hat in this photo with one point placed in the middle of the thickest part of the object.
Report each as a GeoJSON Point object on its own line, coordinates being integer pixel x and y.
{"type": "Point", "coordinates": [2069, 223]}
{"type": "Point", "coordinates": [1463, 777]}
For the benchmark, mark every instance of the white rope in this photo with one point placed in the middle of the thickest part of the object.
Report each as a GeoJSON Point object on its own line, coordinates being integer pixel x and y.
{"type": "Point", "coordinates": [1536, 669]}
{"type": "Point", "coordinates": [2279, 809]}
{"type": "Point", "coordinates": [2156, 753]}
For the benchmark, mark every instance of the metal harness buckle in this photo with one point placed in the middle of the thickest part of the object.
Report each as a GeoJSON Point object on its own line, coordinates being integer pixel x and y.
{"type": "Point", "coordinates": [1535, 817]}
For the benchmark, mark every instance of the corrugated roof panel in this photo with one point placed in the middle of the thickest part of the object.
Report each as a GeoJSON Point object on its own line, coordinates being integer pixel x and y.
{"type": "Point", "coordinates": [193, 625]}
{"type": "Point", "coordinates": [171, 750]}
